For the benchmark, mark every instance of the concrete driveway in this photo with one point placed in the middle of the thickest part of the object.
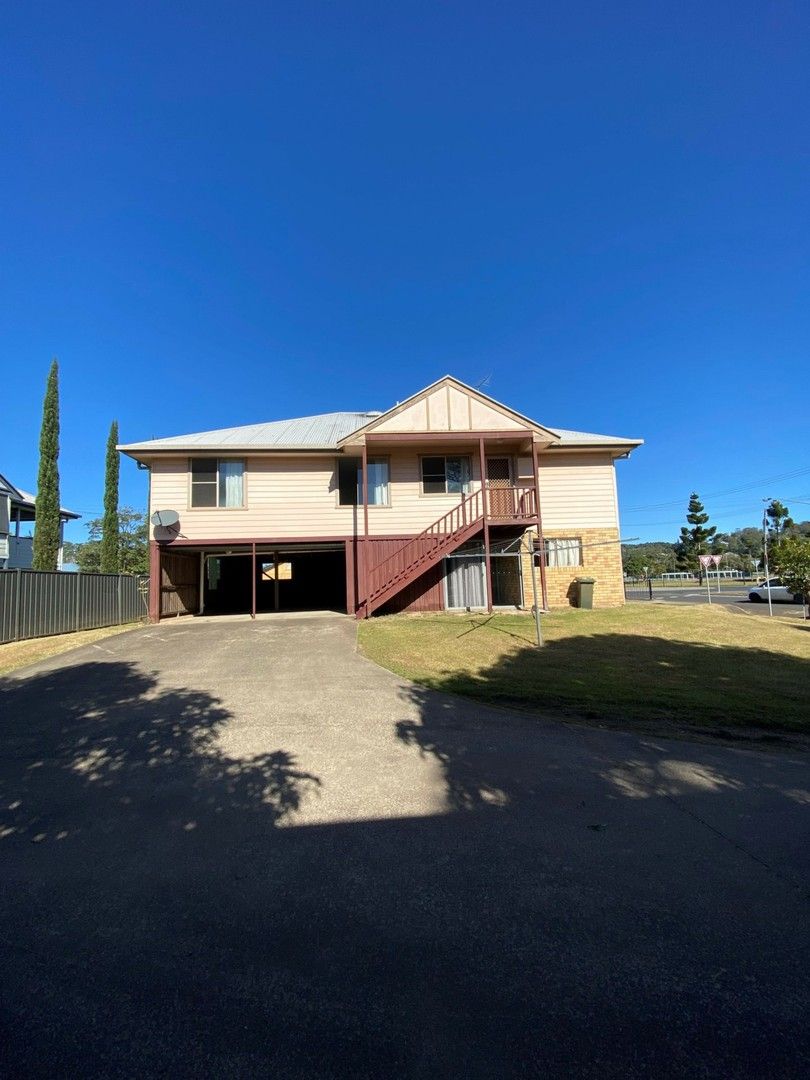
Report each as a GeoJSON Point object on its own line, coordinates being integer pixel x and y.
{"type": "Point", "coordinates": [235, 849]}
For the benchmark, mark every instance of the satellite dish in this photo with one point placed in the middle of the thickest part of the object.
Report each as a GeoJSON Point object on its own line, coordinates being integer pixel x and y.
{"type": "Point", "coordinates": [165, 518]}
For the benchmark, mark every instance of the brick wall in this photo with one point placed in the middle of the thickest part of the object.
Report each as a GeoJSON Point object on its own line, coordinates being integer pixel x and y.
{"type": "Point", "coordinates": [601, 559]}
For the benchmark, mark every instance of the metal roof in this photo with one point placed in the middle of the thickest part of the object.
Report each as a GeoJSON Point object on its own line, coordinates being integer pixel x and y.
{"type": "Point", "coordinates": [323, 432]}
{"type": "Point", "coordinates": [20, 497]}
{"type": "Point", "coordinates": [590, 438]}
{"type": "Point", "coordinates": [28, 498]}
{"type": "Point", "coordinates": [305, 433]}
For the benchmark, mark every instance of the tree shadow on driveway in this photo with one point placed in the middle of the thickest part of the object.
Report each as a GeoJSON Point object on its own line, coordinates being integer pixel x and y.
{"type": "Point", "coordinates": [164, 914]}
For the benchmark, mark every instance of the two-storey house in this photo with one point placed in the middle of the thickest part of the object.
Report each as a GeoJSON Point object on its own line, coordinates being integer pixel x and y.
{"type": "Point", "coordinates": [17, 521]}
{"type": "Point", "coordinates": [434, 504]}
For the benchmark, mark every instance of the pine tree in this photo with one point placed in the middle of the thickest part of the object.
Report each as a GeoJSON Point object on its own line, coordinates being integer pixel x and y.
{"type": "Point", "coordinates": [779, 518]}
{"type": "Point", "coordinates": [46, 529]}
{"type": "Point", "coordinates": [110, 560]}
{"type": "Point", "coordinates": [697, 540]}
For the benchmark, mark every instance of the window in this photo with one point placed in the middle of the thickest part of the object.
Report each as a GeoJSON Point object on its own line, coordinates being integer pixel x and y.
{"type": "Point", "coordinates": [465, 581]}
{"type": "Point", "coordinates": [350, 482]}
{"type": "Point", "coordinates": [217, 482]}
{"type": "Point", "coordinates": [567, 552]}
{"type": "Point", "coordinates": [445, 475]}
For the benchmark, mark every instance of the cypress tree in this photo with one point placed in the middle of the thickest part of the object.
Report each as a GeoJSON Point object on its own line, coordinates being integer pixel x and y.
{"type": "Point", "coordinates": [46, 529]}
{"type": "Point", "coordinates": [110, 561]}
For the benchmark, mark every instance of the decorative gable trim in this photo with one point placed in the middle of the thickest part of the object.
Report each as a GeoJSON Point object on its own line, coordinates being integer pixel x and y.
{"type": "Point", "coordinates": [449, 406]}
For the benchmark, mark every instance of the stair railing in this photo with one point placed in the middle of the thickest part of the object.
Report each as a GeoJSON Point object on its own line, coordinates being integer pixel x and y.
{"type": "Point", "coordinates": [424, 546]}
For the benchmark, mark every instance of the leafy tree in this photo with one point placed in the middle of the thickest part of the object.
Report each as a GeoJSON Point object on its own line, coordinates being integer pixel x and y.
{"type": "Point", "coordinates": [746, 541]}
{"type": "Point", "coordinates": [778, 517]}
{"type": "Point", "coordinates": [133, 544]}
{"type": "Point", "coordinates": [652, 550]}
{"type": "Point", "coordinates": [70, 551]}
{"type": "Point", "coordinates": [697, 540]}
{"type": "Point", "coordinates": [88, 554]}
{"type": "Point", "coordinates": [719, 544]}
{"type": "Point", "coordinates": [110, 525]}
{"type": "Point", "coordinates": [647, 560]}
{"type": "Point", "coordinates": [634, 564]}
{"type": "Point", "coordinates": [46, 529]}
{"type": "Point", "coordinates": [791, 558]}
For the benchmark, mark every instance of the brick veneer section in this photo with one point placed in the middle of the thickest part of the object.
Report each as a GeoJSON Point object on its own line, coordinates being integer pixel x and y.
{"type": "Point", "coordinates": [601, 559]}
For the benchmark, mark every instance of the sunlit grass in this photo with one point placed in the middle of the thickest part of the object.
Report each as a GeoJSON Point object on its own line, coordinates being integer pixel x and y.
{"type": "Point", "coordinates": [690, 666]}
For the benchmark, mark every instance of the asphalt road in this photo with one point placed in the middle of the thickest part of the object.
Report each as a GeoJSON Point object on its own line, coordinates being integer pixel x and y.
{"type": "Point", "coordinates": [734, 597]}
{"type": "Point", "coordinates": [234, 849]}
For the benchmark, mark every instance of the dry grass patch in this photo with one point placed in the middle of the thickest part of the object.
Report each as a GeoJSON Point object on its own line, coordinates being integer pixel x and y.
{"type": "Point", "coordinates": [17, 654]}
{"type": "Point", "coordinates": [656, 665]}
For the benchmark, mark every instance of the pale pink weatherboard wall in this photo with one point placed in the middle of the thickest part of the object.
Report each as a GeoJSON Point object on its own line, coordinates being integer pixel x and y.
{"type": "Point", "coordinates": [296, 496]}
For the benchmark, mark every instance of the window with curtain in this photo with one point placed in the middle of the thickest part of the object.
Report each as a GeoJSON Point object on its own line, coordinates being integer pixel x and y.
{"type": "Point", "coordinates": [465, 581]}
{"type": "Point", "coordinates": [445, 475]}
{"type": "Point", "coordinates": [350, 482]}
{"type": "Point", "coordinates": [217, 482]}
{"type": "Point", "coordinates": [565, 552]}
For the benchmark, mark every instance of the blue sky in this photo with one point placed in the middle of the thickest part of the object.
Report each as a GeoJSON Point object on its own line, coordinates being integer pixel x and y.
{"type": "Point", "coordinates": [217, 214]}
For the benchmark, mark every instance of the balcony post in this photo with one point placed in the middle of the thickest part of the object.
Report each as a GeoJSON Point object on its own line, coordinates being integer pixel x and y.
{"type": "Point", "coordinates": [536, 473]}
{"type": "Point", "coordinates": [365, 530]}
{"type": "Point", "coordinates": [484, 503]}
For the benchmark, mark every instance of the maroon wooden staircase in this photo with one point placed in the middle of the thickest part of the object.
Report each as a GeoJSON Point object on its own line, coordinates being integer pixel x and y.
{"type": "Point", "coordinates": [450, 531]}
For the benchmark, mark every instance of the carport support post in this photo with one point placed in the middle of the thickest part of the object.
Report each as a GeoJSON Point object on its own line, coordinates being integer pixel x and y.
{"type": "Point", "coordinates": [536, 470]}
{"type": "Point", "coordinates": [365, 529]}
{"type": "Point", "coordinates": [201, 597]}
{"type": "Point", "coordinates": [487, 556]}
{"type": "Point", "coordinates": [253, 580]}
{"type": "Point", "coordinates": [154, 581]}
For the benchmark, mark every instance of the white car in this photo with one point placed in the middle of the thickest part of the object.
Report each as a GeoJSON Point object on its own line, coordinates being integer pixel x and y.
{"type": "Point", "coordinates": [779, 592]}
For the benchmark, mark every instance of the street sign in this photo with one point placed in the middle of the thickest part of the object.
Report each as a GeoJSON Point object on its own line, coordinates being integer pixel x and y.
{"type": "Point", "coordinates": [706, 560]}
{"type": "Point", "coordinates": [716, 559]}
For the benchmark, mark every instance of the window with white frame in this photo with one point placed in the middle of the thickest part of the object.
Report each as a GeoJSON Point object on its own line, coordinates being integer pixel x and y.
{"type": "Point", "coordinates": [350, 482]}
{"type": "Point", "coordinates": [445, 475]}
{"type": "Point", "coordinates": [217, 482]}
{"type": "Point", "coordinates": [564, 552]}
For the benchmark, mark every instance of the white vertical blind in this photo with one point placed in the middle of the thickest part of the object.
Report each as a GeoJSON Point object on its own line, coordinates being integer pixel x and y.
{"type": "Point", "coordinates": [230, 483]}
{"type": "Point", "coordinates": [466, 582]}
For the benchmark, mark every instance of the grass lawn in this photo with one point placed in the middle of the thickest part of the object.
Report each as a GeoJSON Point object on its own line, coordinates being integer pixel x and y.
{"type": "Point", "coordinates": [17, 654]}
{"type": "Point", "coordinates": [655, 667]}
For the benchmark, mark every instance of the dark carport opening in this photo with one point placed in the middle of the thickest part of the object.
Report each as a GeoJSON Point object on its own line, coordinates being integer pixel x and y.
{"type": "Point", "coordinates": [286, 579]}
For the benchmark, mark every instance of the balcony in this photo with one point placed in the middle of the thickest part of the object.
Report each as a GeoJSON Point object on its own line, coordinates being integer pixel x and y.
{"type": "Point", "coordinates": [508, 505]}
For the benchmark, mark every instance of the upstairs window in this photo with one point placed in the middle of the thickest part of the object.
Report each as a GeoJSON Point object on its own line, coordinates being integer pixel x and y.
{"type": "Point", "coordinates": [217, 482]}
{"type": "Point", "coordinates": [350, 482]}
{"type": "Point", "coordinates": [567, 552]}
{"type": "Point", "coordinates": [445, 475]}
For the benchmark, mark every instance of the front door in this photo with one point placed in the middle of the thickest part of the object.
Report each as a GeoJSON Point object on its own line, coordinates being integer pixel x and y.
{"type": "Point", "coordinates": [499, 487]}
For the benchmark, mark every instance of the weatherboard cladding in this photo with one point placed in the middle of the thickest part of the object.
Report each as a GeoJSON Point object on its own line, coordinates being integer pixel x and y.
{"type": "Point", "coordinates": [322, 432]}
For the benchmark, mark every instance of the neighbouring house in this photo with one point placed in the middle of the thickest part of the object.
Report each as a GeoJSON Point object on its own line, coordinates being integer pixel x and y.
{"type": "Point", "coordinates": [381, 512]}
{"type": "Point", "coordinates": [17, 522]}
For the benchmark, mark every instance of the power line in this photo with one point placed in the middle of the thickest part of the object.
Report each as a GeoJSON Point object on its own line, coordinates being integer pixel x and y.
{"type": "Point", "coordinates": [720, 494]}
{"type": "Point", "coordinates": [728, 511]}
